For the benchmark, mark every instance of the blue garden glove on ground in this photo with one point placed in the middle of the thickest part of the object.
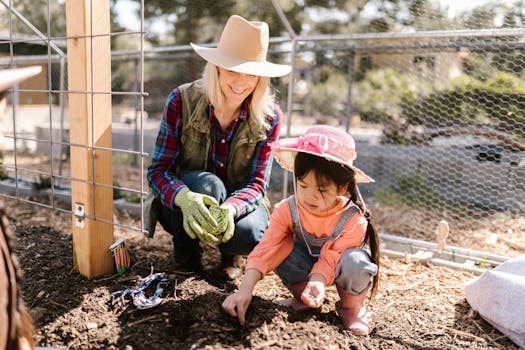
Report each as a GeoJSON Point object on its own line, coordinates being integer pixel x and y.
{"type": "Point", "coordinates": [197, 220]}
{"type": "Point", "coordinates": [224, 215]}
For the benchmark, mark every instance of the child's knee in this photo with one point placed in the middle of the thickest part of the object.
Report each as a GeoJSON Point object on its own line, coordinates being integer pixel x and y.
{"type": "Point", "coordinates": [355, 271]}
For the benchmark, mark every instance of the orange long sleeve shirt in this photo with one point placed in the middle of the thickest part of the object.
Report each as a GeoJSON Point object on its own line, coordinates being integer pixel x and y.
{"type": "Point", "coordinates": [278, 240]}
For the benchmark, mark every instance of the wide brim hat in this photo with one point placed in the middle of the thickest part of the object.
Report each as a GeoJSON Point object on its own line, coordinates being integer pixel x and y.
{"type": "Point", "coordinates": [242, 48]}
{"type": "Point", "coordinates": [324, 141]}
{"type": "Point", "coordinates": [9, 77]}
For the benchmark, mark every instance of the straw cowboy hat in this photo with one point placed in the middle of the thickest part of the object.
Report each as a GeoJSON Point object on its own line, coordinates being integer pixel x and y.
{"type": "Point", "coordinates": [324, 141]}
{"type": "Point", "coordinates": [242, 48]}
{"type": "Point", "coordinates": [9, 77]}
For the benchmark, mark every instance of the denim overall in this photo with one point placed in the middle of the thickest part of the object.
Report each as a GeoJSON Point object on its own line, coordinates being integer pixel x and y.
{"type": "Point", "coordinates": [354, 270]}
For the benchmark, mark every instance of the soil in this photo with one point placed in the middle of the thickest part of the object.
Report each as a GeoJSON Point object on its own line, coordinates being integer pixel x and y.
{"type": "Point", "coordinates": [418, 306]}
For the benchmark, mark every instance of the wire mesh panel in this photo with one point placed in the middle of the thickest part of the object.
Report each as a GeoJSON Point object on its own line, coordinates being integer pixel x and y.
{"type": "Point", "coordinates": [438, 117]}
{"type": "Point", "coordinates": [434, 100]}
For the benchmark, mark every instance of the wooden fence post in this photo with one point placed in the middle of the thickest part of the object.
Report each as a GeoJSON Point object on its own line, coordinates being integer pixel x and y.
{"type": "Point", "coordinates": [89, 84]}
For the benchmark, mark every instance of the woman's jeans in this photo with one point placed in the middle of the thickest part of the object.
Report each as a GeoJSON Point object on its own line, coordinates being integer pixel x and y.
{"type": "Point", "coordinates": [354, 271]}
{"type": "Point", "coordinates": [249, 229]}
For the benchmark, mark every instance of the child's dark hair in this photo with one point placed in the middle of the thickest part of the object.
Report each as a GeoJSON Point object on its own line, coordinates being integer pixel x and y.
{"type": "Point", "coordinates": [341, 176]}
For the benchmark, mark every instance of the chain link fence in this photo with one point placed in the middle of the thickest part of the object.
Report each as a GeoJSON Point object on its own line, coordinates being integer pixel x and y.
{"type": "Point", "coordinates": [438, 113]}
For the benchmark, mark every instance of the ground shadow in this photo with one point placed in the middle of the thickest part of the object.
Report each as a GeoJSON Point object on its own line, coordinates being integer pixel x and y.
{"type": "Point", "coordinates": [475, 327]}
{"type": "Point", "coordinates": [188, 322]}
{"type": "Point", "coordinates": [50, 287]}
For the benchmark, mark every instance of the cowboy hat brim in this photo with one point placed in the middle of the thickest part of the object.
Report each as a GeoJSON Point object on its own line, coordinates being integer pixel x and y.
{"type": "Point", "coordinates": [9, 77]}
{"type": "Point", "coordinates": [263, 69]}
{"type": "Point", "coordinates": [285, 156]}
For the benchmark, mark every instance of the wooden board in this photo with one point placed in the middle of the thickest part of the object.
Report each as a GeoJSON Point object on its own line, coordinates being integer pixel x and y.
{"type": "Point", "coordinates": [89, 78]}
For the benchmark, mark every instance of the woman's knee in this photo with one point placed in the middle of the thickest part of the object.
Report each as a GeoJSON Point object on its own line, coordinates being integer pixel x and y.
{"type": "Point", "coordinates": [206, 183]}
{"type": "Point", "coordinates": [248, 233]}
{"type": "Point", "coordinates": [243, 241]}
{"type": "Point", "coordinates": [253, 225]}
{"type": "Point", "coordinates": [355, 270]}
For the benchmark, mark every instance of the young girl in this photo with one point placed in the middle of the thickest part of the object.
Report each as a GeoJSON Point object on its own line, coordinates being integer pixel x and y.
{"type": "Point", "coordinates": [320, 235]}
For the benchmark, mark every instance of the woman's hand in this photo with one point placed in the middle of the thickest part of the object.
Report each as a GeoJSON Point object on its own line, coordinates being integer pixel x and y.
{"type": "Point", "coordinates": [197, 220]}
{"type": "Point", "coordinates": [314, 292]}
{"type": "Point", "coordinates": [236, 305]}
{"type": "Point", "coordinates": [225, 216]}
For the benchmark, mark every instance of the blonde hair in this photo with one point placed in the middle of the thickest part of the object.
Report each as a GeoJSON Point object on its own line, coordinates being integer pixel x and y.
{"type": "Point", "coordinates": [261, 99]}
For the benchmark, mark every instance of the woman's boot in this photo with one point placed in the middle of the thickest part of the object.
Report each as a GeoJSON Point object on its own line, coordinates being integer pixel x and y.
{"type": "Point", "coordinates": [295, 302]}
{"type": "Point", "coordinates": [231, 265]}
{"type": "Point", "coordinates": [351, 309]}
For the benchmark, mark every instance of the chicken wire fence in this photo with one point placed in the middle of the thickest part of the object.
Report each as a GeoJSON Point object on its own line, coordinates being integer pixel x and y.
{"type": "Point", "coordinates": [438, 112]}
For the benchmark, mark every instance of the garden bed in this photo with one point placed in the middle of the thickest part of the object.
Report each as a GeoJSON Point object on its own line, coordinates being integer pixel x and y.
{"type": "Point", "coordinates": [418, 305]}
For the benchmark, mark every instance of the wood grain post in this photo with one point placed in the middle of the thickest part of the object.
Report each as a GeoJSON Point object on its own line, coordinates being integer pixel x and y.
{"type": "Point", "coordinates": [89, 74]}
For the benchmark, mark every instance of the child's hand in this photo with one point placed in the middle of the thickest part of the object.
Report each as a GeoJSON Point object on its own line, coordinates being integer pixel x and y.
{"type": "Point", "coordinates": [313, 294]}
{"type": "Point", "coordinates": [236, 305]}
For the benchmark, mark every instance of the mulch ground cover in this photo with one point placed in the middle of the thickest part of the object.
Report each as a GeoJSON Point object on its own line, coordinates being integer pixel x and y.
{"type": "Point", "coordinates": [418, 306]}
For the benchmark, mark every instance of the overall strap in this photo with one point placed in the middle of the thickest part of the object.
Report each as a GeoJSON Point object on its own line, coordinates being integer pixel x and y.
{"type": "Point", "coordinates": [294, 211]}
{"type": "Point", "coordinates": [343, 220]}
{"type": "Point", "coordinates": [315, 241]}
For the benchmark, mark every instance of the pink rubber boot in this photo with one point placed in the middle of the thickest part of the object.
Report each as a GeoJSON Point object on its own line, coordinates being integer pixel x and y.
{"type": "Point", "coordinates": [351, 309]}
{"type": "Point", "coordinates": [294, 303]}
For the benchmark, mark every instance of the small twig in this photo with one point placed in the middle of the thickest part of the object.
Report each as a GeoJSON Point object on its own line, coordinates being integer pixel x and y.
{"type": "Point", "coordinates": [183, 272]}
{"type": "Point", "coordinates": [465, 334]}
{"type": "Point", "coordinates": [106, 278]}
{"type": "Point", "coordinates": [131, 324]}
{"type": "Point", "coordinates": [409, 287]}
{"type": "Point", "coordinates": [128, 278]}
{"type": "Point", "coordinates": [392, 272]}
{"type": "Point", "coordinates": [495, 340]}
{"type": "Point", "coordinates": [512, 244]}
{"type": "Point", "coordinates": [492, 340]}
{"type": "Point", "coordinates": [265, 344]}
{"type": "Point", "coordinates": [478, 326]}
{"type": "Point", "coordinates": [58, 304]}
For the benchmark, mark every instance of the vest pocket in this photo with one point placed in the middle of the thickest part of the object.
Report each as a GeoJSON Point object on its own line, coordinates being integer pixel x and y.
{"type": "Point", "coordinates": [193, 150]}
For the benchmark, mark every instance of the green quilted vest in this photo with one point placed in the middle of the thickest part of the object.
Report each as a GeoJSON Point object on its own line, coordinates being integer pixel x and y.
{"type": "Point", "coordinates": [195, 144]}
{"type": "Point", "coordinates": [196, 141]}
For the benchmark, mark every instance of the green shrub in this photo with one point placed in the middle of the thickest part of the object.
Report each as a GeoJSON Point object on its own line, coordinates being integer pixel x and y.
{"type": "Point", "coordinates": [3, 173]}
{"type": "Point", "coordinates": [44, 182]}
{"type": "Point", "coordinates": [498, 101]}
{"type": "Point", "coordinates": [133, 197]}
{"type": "Point", "coordinates": [117, 193]}
{"type": "Point", "coordinates": [329, 97]}
{"type": "Point", "coordinates": [382, 93]}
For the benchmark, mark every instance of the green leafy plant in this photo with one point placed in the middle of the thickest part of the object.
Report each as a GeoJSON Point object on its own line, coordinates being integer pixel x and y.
{"type": "Point", "coordinates": [44, 182]}
{"type": "Point", "coordinates": [133, 197]}
{"type": "Point", "coordinates": [117, 193]}
{"type": "Point", "coordinates": [3, 173]}
{"type": "Point", "coordinates": [330, 97]}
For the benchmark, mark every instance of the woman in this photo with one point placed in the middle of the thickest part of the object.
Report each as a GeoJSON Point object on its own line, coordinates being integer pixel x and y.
{"type": "Point", "coordinates": [212, 150]}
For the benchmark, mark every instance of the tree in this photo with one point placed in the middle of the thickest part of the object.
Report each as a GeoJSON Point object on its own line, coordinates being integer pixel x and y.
{"type": "Point", "coordinates": [37, 12]}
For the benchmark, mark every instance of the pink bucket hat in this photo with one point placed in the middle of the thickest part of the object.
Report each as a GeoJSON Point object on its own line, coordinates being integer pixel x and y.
{"type": "Point", "coordinates": [324, 141]}
{"type": "Point", "coordinates": [242, 48]}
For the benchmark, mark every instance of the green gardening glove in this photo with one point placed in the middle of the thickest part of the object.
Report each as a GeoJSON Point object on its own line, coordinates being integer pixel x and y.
{"type": "Point", "coordinates": [224, 215]}
{"type": "Point", "coordinates": [197, 220]}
